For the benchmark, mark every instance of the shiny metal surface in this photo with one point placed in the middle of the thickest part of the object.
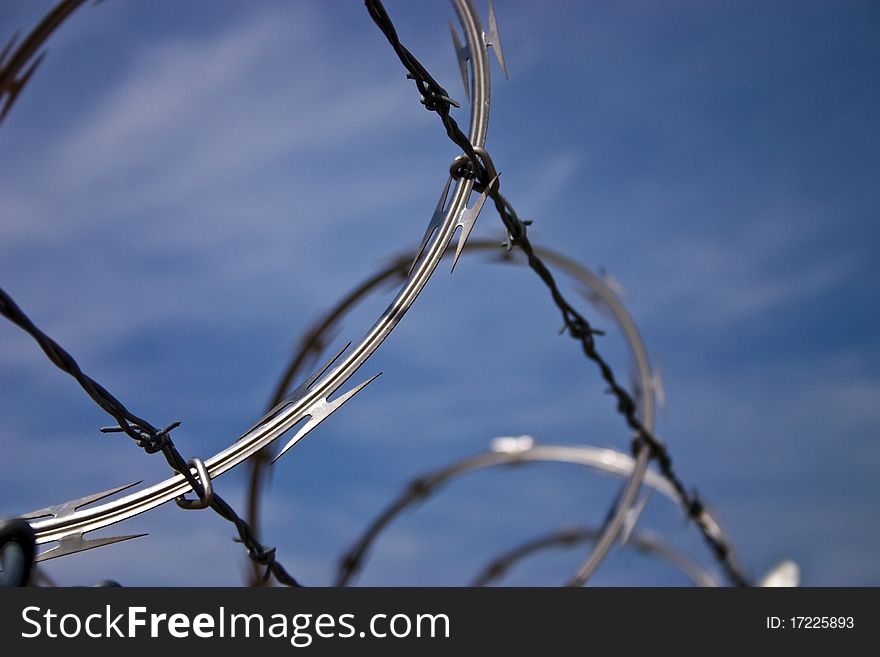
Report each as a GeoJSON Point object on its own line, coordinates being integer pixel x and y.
{"type": "Point", "coordinates": [645, 542]}
{"type": "Point", "coordinates": [597, 289]}
{"type": "Point", "coordinates": [310, 403]}
{"type": "Point", "coordinates": [512, 451]}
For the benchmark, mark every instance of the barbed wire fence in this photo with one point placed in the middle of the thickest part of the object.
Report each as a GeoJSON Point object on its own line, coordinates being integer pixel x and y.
{"type": "Point", "coordinates": [309, 403]}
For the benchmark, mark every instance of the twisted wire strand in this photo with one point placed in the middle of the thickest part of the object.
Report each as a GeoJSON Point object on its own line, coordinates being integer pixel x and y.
{"type": "Point", "coordinates": [436, 99]}
{"type": "Point", "coordinates": [146, 435]}
{"type": "Point", "coordinates": [311, 345]}
{"type": "Point", "coordinates": [316, 339]}
{"type": "Point", "coordinates": [315, 398]}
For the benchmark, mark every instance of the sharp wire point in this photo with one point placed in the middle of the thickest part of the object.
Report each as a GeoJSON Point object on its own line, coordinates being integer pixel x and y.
{"type": "Point", "coordinates": [15, 86]}
{"type": "Point", "coordinates": [6, 105]}
{"type": "Point", "coordinates": [467, 221]}
{"type": "Point", "coordinates": [320, 371]}
{"type": "Point", "coordinates": [8, 47]}
{"type": "Point", "coordinates": [30, 70]}
{"type": "Point", "coordinates": [304, 387]}
{"type": "Point", "coordinates": [322, 409]}
{"type": "Point", "coordinates": [462, 54]}
{"type": "Point", "coordinates": [657, 388]}
{"type": "Point", "coordinates": [434, 224]}
{"type": "Point", "coordinates": [67, 508]}
{"type": "Point", "coordinates": [297, 393]}
{"type": "Point", "coordinates": [312, 398]}
{"type": "Point", "coordinates": [493, 38]}
{"type": "Point", "coordinates": [614, 285]}
{"type": "Point", "coordinates": [76, 543]}
{"type": "Point", "coordinates": [632, 518]}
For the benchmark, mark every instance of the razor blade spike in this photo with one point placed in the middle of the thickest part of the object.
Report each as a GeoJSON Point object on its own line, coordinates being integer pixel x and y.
{"type": "Point", "coordinates": [635, 383]}
{"type": "Point", "coordinates": [595, 299]}
{"type": "Point", "coordinates": [613, 284]}
{"type": "Point", "coordinates": [74, 543]}
{"type": "Point", "coordinates": [15, 86]}
{"type": "Point", "coordinates": [493, 38]}
{"type": "Point", "coordinates": [468, 219]}
{"type": "Point", "coordinates": [434, 224]}
{"type": "Point", "coordinates": [324, 384]}
{"type": "Point", "coordinates": [306, 385]}
{"type": "Point", "coordinates": [297, 393]}
{"type": "Point", "coordinates": [7, 49]}
{"type": "Point", "coordinates": [462, 54]}
{"type": "Point", "coordinates": [320, 411]}
{"type": "Point", "coordinates": [657, 386]}
{"type": "Point", "coordinates": [632, 518]}
{"type": "Point", "coordinates": [68, 508]}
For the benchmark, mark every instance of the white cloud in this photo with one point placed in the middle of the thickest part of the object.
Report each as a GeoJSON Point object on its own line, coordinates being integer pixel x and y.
{"type": "Point", "coordinates": [712, 283]}
{"type": "Point", "coordinates": [554, 175]}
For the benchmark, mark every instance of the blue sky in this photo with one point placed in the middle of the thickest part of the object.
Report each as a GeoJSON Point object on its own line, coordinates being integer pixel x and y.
{"type": "Point", "coordinates": [186, 186]}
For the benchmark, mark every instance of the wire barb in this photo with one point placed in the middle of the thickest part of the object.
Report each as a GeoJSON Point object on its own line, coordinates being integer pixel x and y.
{"type": "Point", "coordinates": [25, 57]}
{"type": "Point", "coordinates": [145, 435]}
{"type": "Point", "coordinates": [578, 326]}
{"type": "Point", "coordinates": [493, 38]}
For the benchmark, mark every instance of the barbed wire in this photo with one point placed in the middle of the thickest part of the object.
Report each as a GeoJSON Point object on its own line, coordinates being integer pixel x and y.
{"type": "Point", "coordinates": [477, 165]}
{"type": "Point", "coordinates": [25, 55]}
{"type": "Point", "coordinates": [311, 401]}
{"type": "Point", "coordinates": [149, 438]}
{"type": "Point", "coordinates": [317, 338]}
{"type": "Point", "coordinates": [312, 344]}
{"type": "Point", "coordinates": [510, 452]}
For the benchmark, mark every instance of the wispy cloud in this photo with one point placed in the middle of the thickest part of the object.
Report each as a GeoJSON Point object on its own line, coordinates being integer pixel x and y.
{"type": "Point", "coordinates": [227, 183]}
{"type": "Point", "coordinates": [749, 276]}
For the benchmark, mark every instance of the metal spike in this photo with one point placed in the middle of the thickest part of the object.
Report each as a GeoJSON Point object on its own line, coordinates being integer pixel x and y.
{"type": "Point", "coordinates": [635, 382]}
{"type": "Point", "coordinates": [436, 221]}
{"type": "Point", "coordinates": [321, 410]}
{"type": "Point", "coordinates": [16, 86]}
{"type": "Point", "coordinates": [297, 393]}
{"type": "Point", "coordinates": [305, 385]}
{"type": "Point", "coordinates": [7, 48]}
{"type": "Point", "coordinates": [67, 508]}
{"type": "Point", "coordinates": [30, 71]}
{"type": "Point", "coordinates": [10, 98]}
{"type": "Point", "coordinates": [597, 301]}
{"type": "Point", "coordinates": [493, 38]}
{"type": "Point", "coordinates": [317, 350]}
{"type": "Point", "coordinates": [632, 517]}
{"type": "Point", "coordinates": [468, 219]}
{"type": "Point", "coordinates": [462, 54]}
{"type": "Point", "coordinates": [657, 386]}
{"type": "Point", "coordinates": [76, 543]}
{"type": "Point", "coordinates": [614, 285]}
